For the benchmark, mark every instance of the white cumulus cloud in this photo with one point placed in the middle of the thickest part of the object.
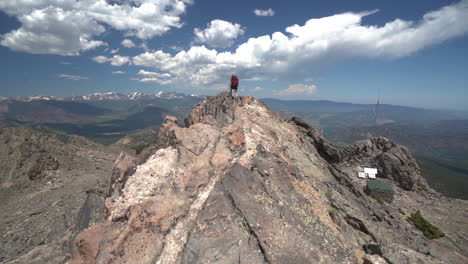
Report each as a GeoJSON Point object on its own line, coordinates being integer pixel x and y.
{"type": "Point", "coordinates": [155, 80]}
{"type": "Point", "coordinates": [155, 77]}
{"type": "Point", "coordinates": [266, 12]}
{"type": "Point", "coordinates": [116, 60]}
{"type": "Point", "coordinates": [128, 43]}
{"type": "Point", "coordinates": [293, 53]}
{"type": "Point", "coordinates": [154, 74]}
{"type": "Point", "coordinates": [68, 27]}
{"type": "Point", "coordinates": [258, 89]}
{"type": "Point", "coordinates": [72, 77]}
{"type": "Point", "coordinates": [118, 72]}
{"type": "Point", "coordinates": [219, 33]}
{"type": "Point", "coordinates": [53, 31]}
{"type": "Point", "coordinates": [297, 89]}
{"type": "Point", "coordinates": [101, 59]}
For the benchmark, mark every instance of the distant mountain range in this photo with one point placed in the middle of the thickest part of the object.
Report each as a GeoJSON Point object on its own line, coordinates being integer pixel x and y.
{"type": "Point", "coordinates": [101, 97]}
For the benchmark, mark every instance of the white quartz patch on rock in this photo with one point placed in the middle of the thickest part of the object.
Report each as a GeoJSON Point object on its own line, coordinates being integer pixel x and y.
{"type": "Point", "coordinates": [149, 178]}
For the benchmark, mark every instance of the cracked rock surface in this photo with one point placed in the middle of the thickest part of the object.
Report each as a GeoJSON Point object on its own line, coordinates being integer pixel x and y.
{"type": "Point", "coordinates": [240, 184]}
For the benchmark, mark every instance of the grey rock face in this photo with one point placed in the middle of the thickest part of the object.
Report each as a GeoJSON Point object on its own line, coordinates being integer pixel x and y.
{"type": "Point", "coordinates": [262, 224]}
{"type": "Point", "coordinates": [219, 109]}
{"type": "Point", "coordinates": [124, 166]}
{"type": "Point", "coordinates": [323, 146]}
{"type": "Point", "coordinates": [91, 210]}
{"type": "Point", "coordinates": [374, 259]}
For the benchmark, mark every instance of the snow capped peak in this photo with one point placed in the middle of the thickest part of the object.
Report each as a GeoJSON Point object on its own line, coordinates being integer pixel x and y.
{"type": "Point", "coordinates": [115, 96]}
{"type": "Point", "coordinates": [104, 96]}
{"type": "Point", "coordinates": [170, 95]}
{"type": "Point", "coordinates": [33, 98]}
{"type": "Point", "coordinates": [136, 95]}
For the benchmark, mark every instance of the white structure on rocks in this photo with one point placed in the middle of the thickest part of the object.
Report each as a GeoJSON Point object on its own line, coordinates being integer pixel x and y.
{"type": "Point", "coordinates": [367, 173]}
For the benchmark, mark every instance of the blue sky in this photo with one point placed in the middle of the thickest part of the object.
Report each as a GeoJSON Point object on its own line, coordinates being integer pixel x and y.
{"type": "Point", "coordinates": [415, 53]}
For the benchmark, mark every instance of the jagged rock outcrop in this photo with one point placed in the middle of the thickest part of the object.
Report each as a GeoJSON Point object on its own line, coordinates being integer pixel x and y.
{"type": "Point", "coordinates": [393, 161]}
{"type": "Point", "coordinates": [240, 184]}
{"type": "Point", "coordinates": [326, 150]}
{"type": "Point", "coordinates": [124, 166]}
{"type": "Point", "coordinates": [41, 164]}
{"type": "Point", "coordinates": [218, 110]}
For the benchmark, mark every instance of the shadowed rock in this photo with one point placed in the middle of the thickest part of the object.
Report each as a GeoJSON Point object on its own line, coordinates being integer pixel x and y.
{"type": "Point", "coordinates": [323, 146]}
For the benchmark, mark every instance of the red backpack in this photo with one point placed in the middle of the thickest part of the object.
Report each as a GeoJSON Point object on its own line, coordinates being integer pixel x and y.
{"type": "Point", "coordinates": [234, 80]}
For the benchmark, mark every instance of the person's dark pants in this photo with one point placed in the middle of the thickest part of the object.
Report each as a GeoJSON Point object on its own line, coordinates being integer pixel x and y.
{"type": "Point", "coordinates": [233, 87]}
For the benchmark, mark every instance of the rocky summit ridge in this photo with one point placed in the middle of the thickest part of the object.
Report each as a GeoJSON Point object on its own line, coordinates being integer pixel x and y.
{"type": "Point", "coordinates": [242, 184]}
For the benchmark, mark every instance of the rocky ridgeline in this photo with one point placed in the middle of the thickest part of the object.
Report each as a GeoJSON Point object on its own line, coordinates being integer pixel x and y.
{"type": "Point", "coordinates": [241, 184]}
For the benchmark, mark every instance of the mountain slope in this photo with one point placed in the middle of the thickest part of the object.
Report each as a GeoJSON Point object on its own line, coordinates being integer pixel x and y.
{"type": "Point", "coordinates": [45, 180]}
{"type": "Point", "coordinates": [241, 184]}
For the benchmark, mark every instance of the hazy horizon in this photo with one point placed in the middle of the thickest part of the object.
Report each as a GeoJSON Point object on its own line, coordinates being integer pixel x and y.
{"type": "Point", "coordinates": [381, 102]}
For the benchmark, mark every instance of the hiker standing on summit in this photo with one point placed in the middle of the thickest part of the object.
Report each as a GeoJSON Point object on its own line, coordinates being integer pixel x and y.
{"type": "Point", "coordinates": [234, 84]}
